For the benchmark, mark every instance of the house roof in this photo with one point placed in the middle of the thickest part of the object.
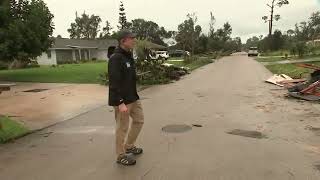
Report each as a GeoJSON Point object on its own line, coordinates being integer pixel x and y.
{"type": "Point", "coordinates": [63, 43]}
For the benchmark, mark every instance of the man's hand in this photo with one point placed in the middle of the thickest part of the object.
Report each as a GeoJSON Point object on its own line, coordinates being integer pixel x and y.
{"type": "Point", "coordinates": [123, 108]}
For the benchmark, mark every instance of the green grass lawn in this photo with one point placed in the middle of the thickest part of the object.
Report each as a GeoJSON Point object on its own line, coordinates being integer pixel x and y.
{"type": "Point", "coordinates": [274, 59]}
{"type": "Point", "coordinates": [291, 70]}
{"type": "Point", "coordinates": [72, 73]}
{"type": "Point", "coordinates": [10, 129]}
{"type": "Point", "coordinates": [69, 73]}
{"type": "Point", "coordinates": [269, 59]}
{"type": "Point", "coordinates": [276, 53]}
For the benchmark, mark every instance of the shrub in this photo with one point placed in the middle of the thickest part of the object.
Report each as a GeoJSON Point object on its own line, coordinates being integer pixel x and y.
{"type": "Point", "coordinates": [301, 48]}
{"type": "Point", "coordinates": [3, 65]}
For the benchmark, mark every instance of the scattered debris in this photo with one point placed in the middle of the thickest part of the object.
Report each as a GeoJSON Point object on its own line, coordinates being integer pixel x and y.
{"type": "Point", "coordinates": [311, 128]}
{"type": "Point", "coordinates": [309, 90]}
{"type": "Point", "coordinates": [305, 89]}
{"type": "Point", "coordinates": [275, 79]}
{"type": "Point", "coordinates": [245, 133]}
{"type": "Point", "coordinates": [36, 90]}
{"type": "Point", "coordinates": [167, 64]}
{"type": "Point", "coordinates": [5, 87]}
{"type": "Point", "coordinates": [308, 97]}
{"type": "Point", "coordinates": [290, 83]}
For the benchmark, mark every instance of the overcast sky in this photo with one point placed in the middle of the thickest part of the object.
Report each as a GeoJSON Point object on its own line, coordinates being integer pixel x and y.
{"type": "Point", "coordinates": [243, 15]}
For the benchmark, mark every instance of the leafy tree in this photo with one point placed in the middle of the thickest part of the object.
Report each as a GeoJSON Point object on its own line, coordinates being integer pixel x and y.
{"type": "Point", "coordinates": [302, 31]}
{"type": "Point", "coordinates": [226, 32]}
{"type": "Point", "coordinates": [26, 28]}
{"type": "Point", "coordinates": [150, 31]}
{"type": "Point", "coordinates": [290, 32]}
{"type": "Point", "coordinates": [252, 42]}
{"type": "Point", "coordinates": [166, 34]}
{"type": "Point", "coordinates": [188, 33]}
{"type": "Point", "coordinates": [85, 27]}
{"type": "Point", "coordinates": [277, 40]}
{"type": "Point", "coordinates": [106, 31]}
{"type": "Point", "coordinates": [203, 43]}
{"type": "Point", "coordinates": [233, 44]}
{"type": "Point", "coordinates": [273, 17]}
{"type": "Point", "coordinates": [314, 24]}
{"type": "Point", "coordinates": [220, 38]}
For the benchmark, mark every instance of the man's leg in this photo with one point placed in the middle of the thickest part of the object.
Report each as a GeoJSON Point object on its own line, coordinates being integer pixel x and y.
{"type": "Point", "coordinates": [136, 113]}
{"type": "Point", "coordinates": [122, 125]}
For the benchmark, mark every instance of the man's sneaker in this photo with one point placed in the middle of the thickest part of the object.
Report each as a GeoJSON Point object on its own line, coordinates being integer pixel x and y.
{"type": "Point", "coordinates": [135, 151]}
{"type": "Point", "coordinates": [126, 160]}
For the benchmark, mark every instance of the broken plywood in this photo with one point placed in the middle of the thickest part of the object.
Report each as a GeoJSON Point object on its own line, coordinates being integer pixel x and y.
{"type": "Point", "coordinates": [276, 79]}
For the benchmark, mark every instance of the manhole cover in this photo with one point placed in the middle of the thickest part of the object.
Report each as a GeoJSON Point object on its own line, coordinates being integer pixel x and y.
{"type": "Point", "coordinates": [176, 128]}
{"type": "Point", "coordinates": [36, 90]}
{"type": "Point", "coordinates": [245, 133]}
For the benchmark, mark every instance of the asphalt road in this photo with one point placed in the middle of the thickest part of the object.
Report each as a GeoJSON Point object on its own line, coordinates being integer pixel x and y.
{"type": "Point", "coordinates": [224, 96]}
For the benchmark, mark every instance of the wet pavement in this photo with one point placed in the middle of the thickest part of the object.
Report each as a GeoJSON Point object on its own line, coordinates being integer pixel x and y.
{"type": "Point", "coordinates": [38, 105]}
{"type": "Point", "coordinates": [222, 97]}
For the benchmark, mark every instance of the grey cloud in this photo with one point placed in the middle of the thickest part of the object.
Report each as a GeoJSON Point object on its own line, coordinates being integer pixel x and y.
{"type": "Point", "coordinates": [243, 15]}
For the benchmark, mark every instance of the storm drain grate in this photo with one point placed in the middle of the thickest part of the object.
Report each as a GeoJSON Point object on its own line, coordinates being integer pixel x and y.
{"type": "Point", "coordinates": [245, 133]}
{"type": "Point", "coordinates": [36, 90]}
{"type": "Point", "coordinates": [176, 128]}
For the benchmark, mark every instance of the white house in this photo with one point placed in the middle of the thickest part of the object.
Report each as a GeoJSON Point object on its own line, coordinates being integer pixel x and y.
{"type": "Point", "coordinates": [68, 50]}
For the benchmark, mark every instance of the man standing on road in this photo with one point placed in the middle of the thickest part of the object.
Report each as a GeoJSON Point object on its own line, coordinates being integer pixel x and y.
{"type": "Point", "coordinates": [124, 98]}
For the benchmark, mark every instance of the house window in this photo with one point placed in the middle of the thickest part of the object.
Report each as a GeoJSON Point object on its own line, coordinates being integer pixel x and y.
{"type": "Point", "coordinates": [49, 54]}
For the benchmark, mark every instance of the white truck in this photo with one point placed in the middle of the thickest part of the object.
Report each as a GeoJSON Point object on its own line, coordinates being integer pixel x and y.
{"type": "Point", "coordinates": [253, 51]}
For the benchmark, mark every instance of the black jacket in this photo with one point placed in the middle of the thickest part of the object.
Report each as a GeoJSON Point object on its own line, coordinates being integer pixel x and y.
{"type": "Point", "coordinates": [122, 78]}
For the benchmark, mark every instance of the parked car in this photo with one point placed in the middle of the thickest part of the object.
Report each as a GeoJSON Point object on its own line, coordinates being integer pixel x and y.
{"type": "Point", "coordinates": [253, 51]}
{"type": "Point", "coordinates": [162, 55]}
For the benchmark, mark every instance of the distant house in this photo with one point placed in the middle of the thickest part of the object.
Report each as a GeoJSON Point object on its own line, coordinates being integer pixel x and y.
{"type": "Point", "coordinates": [315, 42]}
{"type": "Point", "coordinates": [71, 50]}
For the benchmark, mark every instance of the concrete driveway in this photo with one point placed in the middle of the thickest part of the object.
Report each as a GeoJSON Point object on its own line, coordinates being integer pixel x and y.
{"type": "Point", "coordinates": [38, 105]}
{"type": "Point", "coordinates": [227, 95]}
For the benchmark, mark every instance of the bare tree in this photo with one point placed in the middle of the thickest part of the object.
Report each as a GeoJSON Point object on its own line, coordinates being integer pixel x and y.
{"type": "Point", "coordinates": [193, 19]}
{"type": "Point", "coordinates": [274, 4]}
{"type": "Point", "coordinates": [211, 24]}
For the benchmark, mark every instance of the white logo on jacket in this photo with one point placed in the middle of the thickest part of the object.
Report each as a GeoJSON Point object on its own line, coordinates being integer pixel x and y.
{"type": "Point", "coordinates": [128, 65]}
